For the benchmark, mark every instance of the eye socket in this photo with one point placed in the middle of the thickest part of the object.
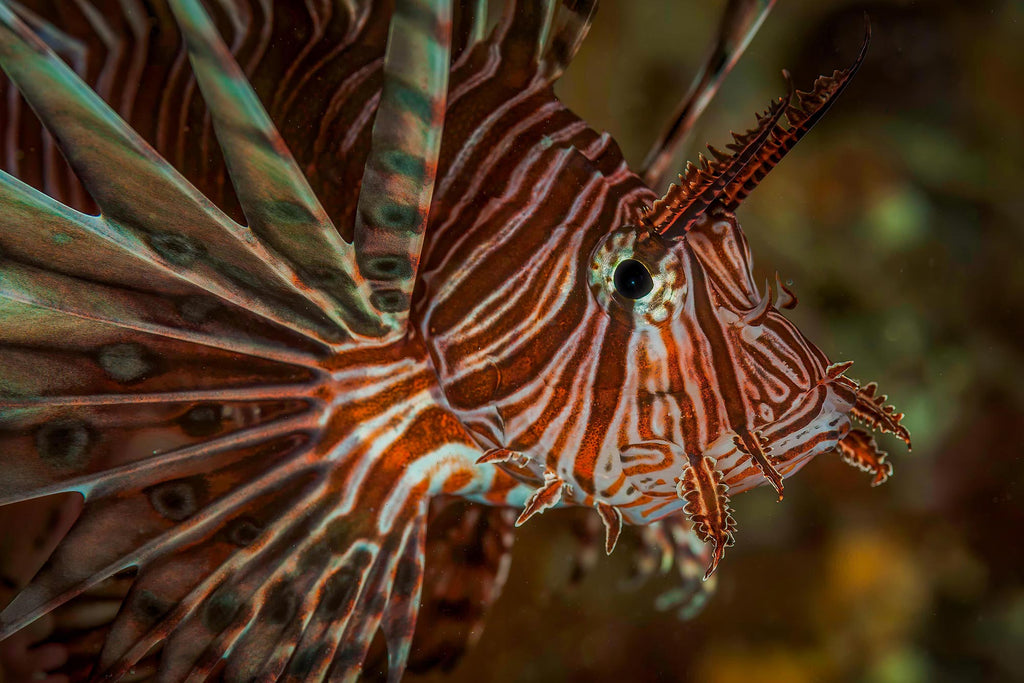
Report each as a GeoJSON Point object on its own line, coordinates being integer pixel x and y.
{"type": "Point", "coordinates": [632, 279]}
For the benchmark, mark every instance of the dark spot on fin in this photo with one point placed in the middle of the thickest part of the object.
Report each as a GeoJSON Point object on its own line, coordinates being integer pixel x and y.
{"type": "Point", "coordinates": [179, 499]}
{"type": "Point", "coordinates": [149, 606]}
{"type": "Point", "coordinates": [388, 268]}
{"type": "Point", "coordinates": [205, 419]}
{"type": "Point", "coordinates": [126, 363]}
{"type": "Point", "coordinates": [197, 309]}
{"type": "Point", "coordinates": [390, 301]}
{"type": "Point", "coordinates": [281, 604]}
{"type": "Point", "coordinates": [244, 531]}
{"type": "Point", "coordinates": [403, 163]}
{"type": "Point", "coordinates": [287, 212]}
{"type": "Point", "coordinates": [338, 591]}
{"type": "Point", "coordinates": [400, 216]}
{"type": "Point", "coordinates": [303, 662]}
{"type": "Point", "coordinates": [64, 443]}
{"type": "Point", "coordinates": [178, 250]}
{"type": "Point", "coordinates": [220, 609]}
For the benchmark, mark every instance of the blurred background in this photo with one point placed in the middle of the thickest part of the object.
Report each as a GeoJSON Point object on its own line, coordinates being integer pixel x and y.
{"type": "Point", "coordinates": [900, 221]}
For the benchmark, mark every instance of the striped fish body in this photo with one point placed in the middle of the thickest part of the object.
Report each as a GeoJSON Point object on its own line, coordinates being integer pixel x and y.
{"type": "Point", "coordinates": [413, 273]}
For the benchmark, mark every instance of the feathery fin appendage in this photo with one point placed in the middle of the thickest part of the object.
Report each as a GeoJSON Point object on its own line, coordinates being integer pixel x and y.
{"type": "Point", "coordinates": [672, 543]}
{"type": "Point", "coordinates": [871, 410]}
{"type": "Point", "coordinates": [837, 370]}
{"type": "Point", "coordinates": [496, 456]}
{"type": "Point", "coordinates": [548, 495]}
{"type": "Point", "coordinates": [703, 184]}
{"type": "Point", "coordinates": [611, 516]}
{"type": "Point", "coordinates": [707, 507]}
{"type": "Point", "coordinates": [858, 449]}
{"type": "Point", "coordinates": [398, 179]}
{"type": "Point", "coordinates": [727, 181]}
{"type": "Point", "coordinates": [755, 446]}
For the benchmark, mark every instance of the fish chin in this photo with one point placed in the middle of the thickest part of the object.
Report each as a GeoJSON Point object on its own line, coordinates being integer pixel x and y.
{"type": "Point", "coordinates": [813, 425]}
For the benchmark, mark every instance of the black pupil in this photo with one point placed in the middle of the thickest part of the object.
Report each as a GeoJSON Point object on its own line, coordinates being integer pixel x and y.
{"type": "Point", "coordinates": [632, 279]}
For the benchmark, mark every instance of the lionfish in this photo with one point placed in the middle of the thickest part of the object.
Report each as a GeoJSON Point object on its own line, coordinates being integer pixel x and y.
{"type": "Point", "coordinates": [427, 279]}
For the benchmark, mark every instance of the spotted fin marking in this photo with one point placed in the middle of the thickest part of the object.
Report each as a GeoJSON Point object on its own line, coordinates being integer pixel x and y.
{"type": "Point", "coordinates": [740, 23]}
{"type": "Point", "coordinates": [571, 25]}
{"type": "Point", "coordinates": [55, 259]}
{"type": "Point", "coordinates": [858, 449]}
{"type": "Point", "coordinates": [147, 507]}
{"type": "Point", "coordinates": [280, 586]}
{"type": "Point", "coordinates": [151, 202]}
{"type": "Point", "coordinates": [707, 507]}
{"type": "Point", "coordinates": [275, 196]}
{"type": "Point", "coordinates": [398, 180]}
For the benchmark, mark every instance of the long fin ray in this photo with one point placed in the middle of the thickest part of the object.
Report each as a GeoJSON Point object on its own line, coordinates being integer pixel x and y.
{"type": "Point", "coordinates": [37, 230]}
{"type": "Point", "coordinates": [731, 176]}
{"type": "Point", "coordinates": [275, 196]}
{"type": "Point", "coordinates": [78, 565]}
{"type": "Point", "coordinates": [243, 590]}
{"type": "Point", "coordinates": [86, 302]}
{"type": "Point", "coordinates": [178, 222]}
{"type": "Point", "coordinates": [103, 478]}
{"type": "Point", "coordinates": [398, 180]}
{"type": "Point", "coordinates": [571, 25]}
{"type": "Point", "coordinates": [522, 35]}
{"type": "Point", "coordinates": [740, 22]}
{"type": "Point", "coordinates": [470, 22]}
{"type": "Point", "coordinates": [170, 591]}
{"type": "Point", "coordinates": [399, 615]}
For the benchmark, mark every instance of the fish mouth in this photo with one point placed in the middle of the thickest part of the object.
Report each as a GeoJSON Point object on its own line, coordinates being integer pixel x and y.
{"type": "Point", "coordinates": [819, 421]}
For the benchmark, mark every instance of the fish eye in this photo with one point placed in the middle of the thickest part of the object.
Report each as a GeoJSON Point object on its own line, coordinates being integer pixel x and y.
{"type": "Point", "coordinates": [632, 279]}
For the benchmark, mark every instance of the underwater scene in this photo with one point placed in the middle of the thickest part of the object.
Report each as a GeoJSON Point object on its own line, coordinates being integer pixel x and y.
{"type": "Point", "coordinates": [429, 340]}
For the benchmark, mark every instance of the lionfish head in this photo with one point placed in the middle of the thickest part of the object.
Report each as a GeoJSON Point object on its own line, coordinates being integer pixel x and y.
{"type": "Point", "coordinates": [669, 376]}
